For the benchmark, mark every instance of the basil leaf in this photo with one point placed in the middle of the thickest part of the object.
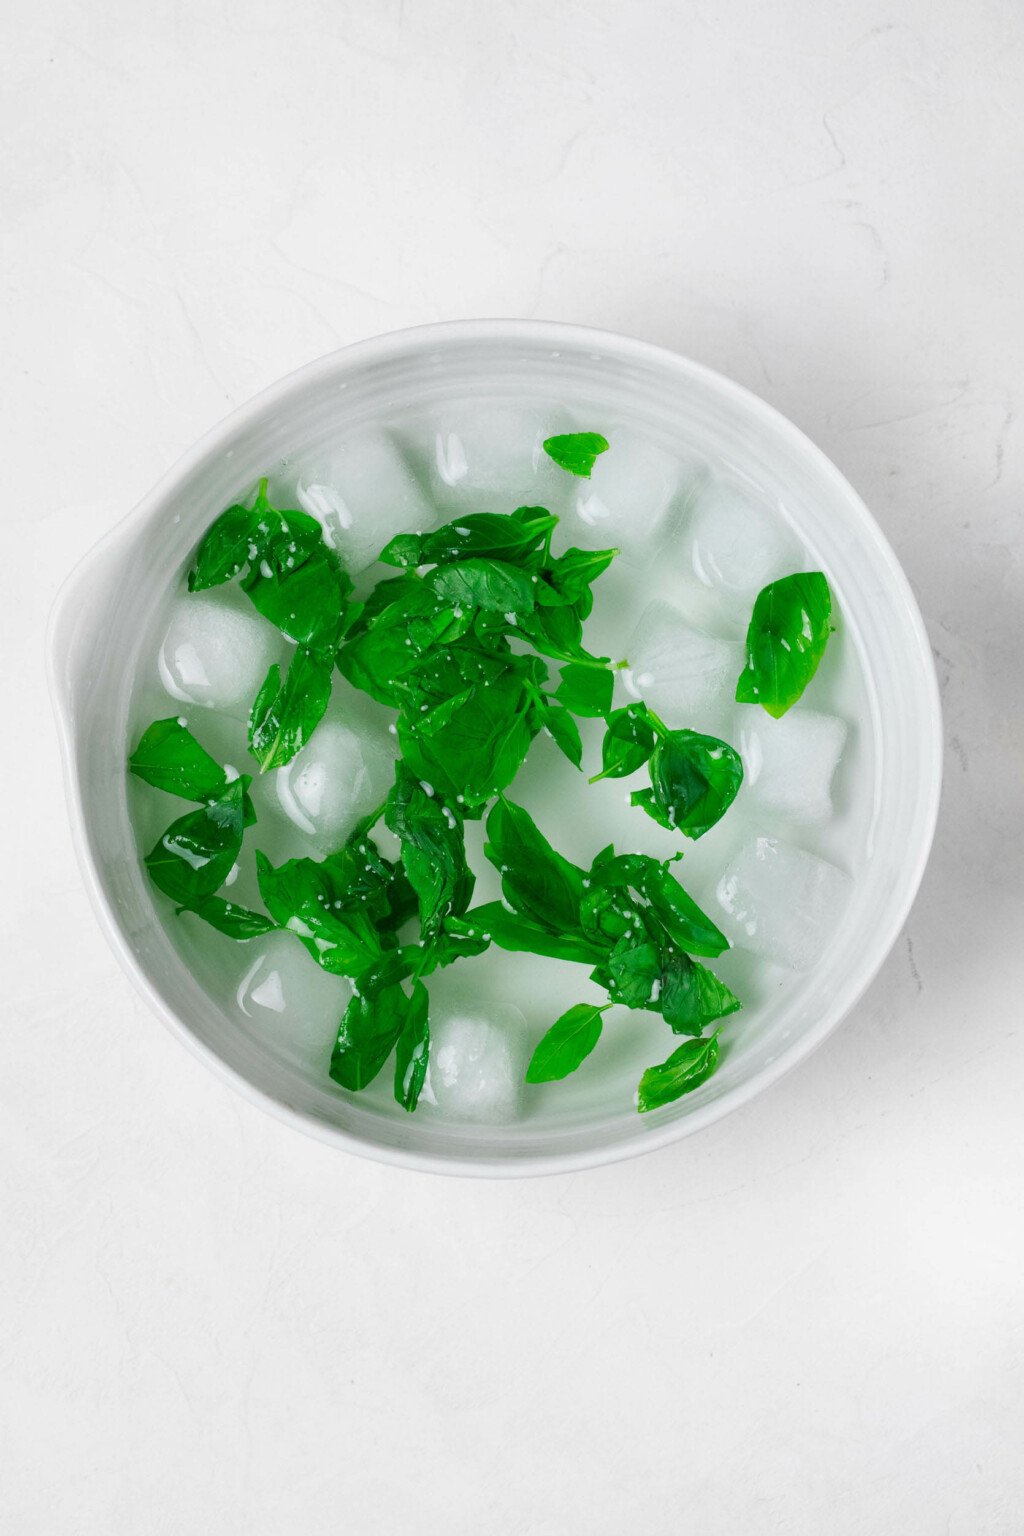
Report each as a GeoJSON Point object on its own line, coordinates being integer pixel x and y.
{"type": "Point", "coordinates": [488, 535]}
{"type": "Point", "coordinates": [628, 742]}
{"type": "Point", "coordinates": [479, 751]}
{"type": "Point", "coordinates": [567, 1043]}
{"type": "Point", "coordinates": [433, 849]}
{"type": "Point", "coordinates": [692, 996]}
{"type": "Point", "coordinates": [647, 801]}
{"type": "Point", "coordinates": [576, 451]}
{"type": "Point", "coordinates": [169, 757]}
{"type": "Point", "coordinates": [306, 601]}
{"type": "Point", "coordinates": [368, 1033]}
{"type": "Point", "coordinates": [431, 721]}
{"type": "Point", "coordinates": [196, 853]}
{"type": "Point", "coordinates": [694, 780]}
{"type": "Point", "coordinates": [235, 921]}
{"type": "Point", "coordinates": [520, 935]}
{"type": "Point", "coordinates": [224, 549]}
{"type": "Point", "coordinates": [447, 947]}
{"type": "Point", "coordinates": [688, 1067]}
{"type": "Point", "coordinates": [680, 915]}
{"type": "Point", "coordinates": [573, 573]}
{"type": "Point", "coordinates": [491, 584]}
{"type": "Point", "coordinates": [319, 904]}
{"type": "Point", "coordinates": [536, 880]}
{"type": "Point", "coordinates": [633, 968]}
{"type": "Point", "coordinates": [585, 690]}
{"type": "Point", "coordinates": [788, 633]}
{"type": "Point", "coordinates": [563, 730]}
{"type": "Point", "coordinates": [285, 715]}
{"type": "Point", "coordinates": [412, 1049]}
{"type": "Point", "coordinates": [554, 632]}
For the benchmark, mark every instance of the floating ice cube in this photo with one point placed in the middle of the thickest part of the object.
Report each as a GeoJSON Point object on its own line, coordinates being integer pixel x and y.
{"type": "Point", "coordinates": [216, 653]}
{"type": "Point", "coordinates": [782, 903]}
{"type": "Point", "coordinates": [737, 543]}
{"type": "Point", "coordinates": [339, 776]}
{"type": "Point", "coordinates": [634, 499]}
{"type": "Point", "coordinates": [290, 1003]}
{"type": "Point", "coordinates": [789, 764]}
{"type": "Point", "coordinates": [685, 675]}
{"type": "Point", "coordinates": [477, 1064]}
{"type": "Point", "coordinates": [494, 461]}
{"type": "Point", "coordinates": [363, 493]}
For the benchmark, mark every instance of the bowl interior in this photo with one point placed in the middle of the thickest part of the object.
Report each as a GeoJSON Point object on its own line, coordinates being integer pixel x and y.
{"type": "Point", "coordinates": [105, 620]}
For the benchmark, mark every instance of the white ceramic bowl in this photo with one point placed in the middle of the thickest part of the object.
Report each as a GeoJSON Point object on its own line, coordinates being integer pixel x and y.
{"type": "Point", "coordinates": [102, 611]}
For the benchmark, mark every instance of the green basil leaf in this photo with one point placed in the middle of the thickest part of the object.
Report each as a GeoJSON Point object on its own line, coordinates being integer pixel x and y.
{"type": "Point", "coordinates": [576, 452]}
{"type": "Point", "coordinates": [369, 1030]}
{"type": "Point", "coordinates": [573, 573]}
{"type": "Point", "coordinates": [694, 780]}
{"type": "Point", "coordinates": [564, 731]}
{"type": "Point", "coordinates": [646, 800]}
{"type": "Point", "coordinates": [567, 1043]}
{"type": "Point", "coordinates": [585, 690]}
{"type": "Point", "coordinates": [169, 757]}
{"type": "Point", "coordinates": [688, 1067]}
{"type": "Point", "coordinates": [628, 742]}
{"type": "Point", "coordinates": [494, 923]}
{"type": "Point", "coordinates": [680, 915]}
{"type": "Point", "coordinates": [788, 633]}
{"type": "Point", "coordinates": [318, 902]}
{"type": "Point", "coordinates": [536, 880]}
{"type": "Point", "coordinates": [195, 855]}
{"type": "Point", "coordinates": [229, 918]}
{"type": "Point", "coordinates": [413, 1049]}
{"type": "Point", "coordinates": [481, 535]}
{"type": "Point", "coordinates": [305, 601]}
{"type": "Point", "coordinates": [430, 721]}
{"type": "Point", "coordinates": [224, 549]}
{"type": "Point", "coordinates": [491, 584]}
{"type": "Point", "coordinates": [692, 996]}
{"type": "Point", "coordinates": [554, 631]}
{"type": "Point", "coordinates": [633, 969]}
{"type": "Point", "coordinates": [479, 751]}
{"type": "Point", "coordinates": [447, 947]}
{"type": "Point", "coordinates": [433, 849]}
{"type": "Point", "coordinates": [285, 715]}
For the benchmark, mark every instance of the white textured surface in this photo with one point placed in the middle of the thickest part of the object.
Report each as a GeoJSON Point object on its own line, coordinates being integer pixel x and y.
{"type": "Point", "coordinates": [807, 1319]}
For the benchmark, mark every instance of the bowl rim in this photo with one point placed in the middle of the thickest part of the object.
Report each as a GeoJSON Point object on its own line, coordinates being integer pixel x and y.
{"type": "Point", "coordinates": [381, 348]}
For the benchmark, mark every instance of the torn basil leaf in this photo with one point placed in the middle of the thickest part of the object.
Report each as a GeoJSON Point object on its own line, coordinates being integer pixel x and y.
{"type": "Point", "coordinates": [694, 780]}
{"type": "Point", "coordinates": [285, 714]}
{"type": "Point", "coordinates": [786, 639]}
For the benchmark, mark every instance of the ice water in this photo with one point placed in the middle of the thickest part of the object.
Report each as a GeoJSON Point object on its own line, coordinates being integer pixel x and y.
{"type": "Point", "coordinates": [698, 540]}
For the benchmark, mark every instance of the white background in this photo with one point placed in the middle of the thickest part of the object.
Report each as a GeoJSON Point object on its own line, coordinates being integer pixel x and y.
{"type": "Point", "coordinates": [808, 1319]}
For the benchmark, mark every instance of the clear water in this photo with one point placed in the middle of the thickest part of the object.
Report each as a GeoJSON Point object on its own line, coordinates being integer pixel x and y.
{"type": "Point", "coordinates": [696, 536]}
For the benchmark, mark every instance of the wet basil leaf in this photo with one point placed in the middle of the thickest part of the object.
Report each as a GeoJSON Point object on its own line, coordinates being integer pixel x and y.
{"type": "Point", "coordinates": [224, 548]}
{"type": "Point", "coordinates": [369, 1031]}
{"type": "Point", "coordinates": [433, 849]}
{"type": "Point", "coordinates": [692, 996]}
{"type": "Point", "coordinates": [694, 780]}
{"type": "Point", "coordinates": [564, 731]}
{"type": "Point", "coordinates": [494, 923]}
{"type": "Point", "coordinates": [788, 633]}
{"type": "Point", "coordinates": [585, 690]}
{"type": "Point", "coordinates": [576, 452]}
{"type": "Point", "coordinates": [688, 1067]}
{"type": "Point", "coordinates": [229, 918]}
{"type": "Point", "coordinates": [170, 758]}
{"type": "Point", "coordinates": [412, 1049]}
{"type": "Point", "coordinates": [491, 584]}
{"type": "Point", "coordinates": [195, 855]}
{"type": "Point", "coordinates": [318, 902]}
{"type": "Point", "coordinates": [480, 535]}
{"type": "Point", "coordinates": [537, 882]}
{"type": "Point", "coordinates": [285, 715]}
{"type": "Point", "coordinates": [566, 1044]}
{"type": "Point", "coordinates": [628, 742]}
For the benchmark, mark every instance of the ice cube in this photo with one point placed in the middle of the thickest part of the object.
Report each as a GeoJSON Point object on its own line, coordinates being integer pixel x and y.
{"type": "Point", "coordinates": [781, 903]}
{"type": "Point", "coordinates": [216, 653]}
{"type": "Point", "coordinates": [477, 1064]}
{"type": "Point", "coordinates": [494, 461]}
{"type": "Point", "coordinates": [291, 1004]}
{"type": "Point", "coordinates": [789, 764]}
{"type": "Point", "coordinates": [686, 676]}
{"type": "Point", "coordinates": [634, 499]}
{"type": "Point", "coordinates": [363, 492]}
{"type": "Point", "coordinates": [339, 776]}
{"type": "Point", "coordinates": [738, 543]}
